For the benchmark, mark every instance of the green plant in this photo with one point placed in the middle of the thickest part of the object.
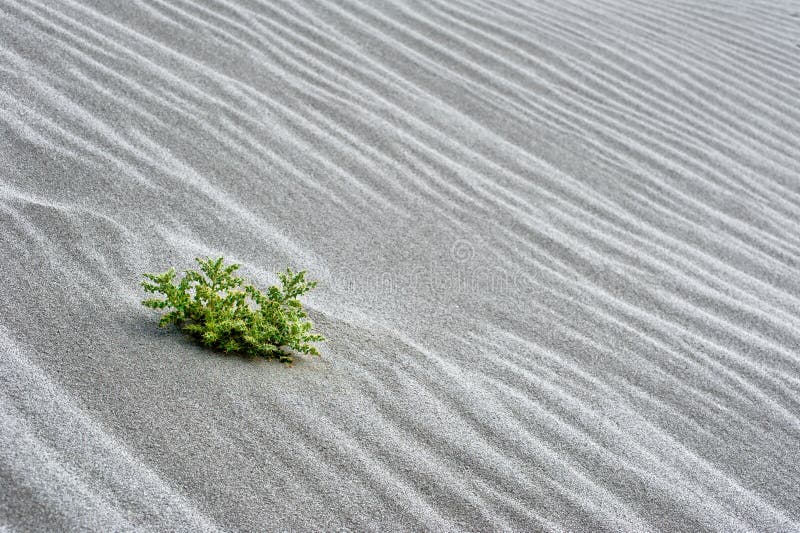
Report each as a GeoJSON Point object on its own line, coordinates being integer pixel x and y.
{"type": "Point", "coordinates": [221, 311]}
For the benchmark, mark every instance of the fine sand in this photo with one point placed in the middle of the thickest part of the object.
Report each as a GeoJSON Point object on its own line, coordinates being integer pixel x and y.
{"type": "Point", "coordinates": [557, 245]}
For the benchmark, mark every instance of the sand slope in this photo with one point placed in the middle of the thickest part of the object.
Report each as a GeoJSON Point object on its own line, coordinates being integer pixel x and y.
{"type": "Point", "coordinates": [558, 249]}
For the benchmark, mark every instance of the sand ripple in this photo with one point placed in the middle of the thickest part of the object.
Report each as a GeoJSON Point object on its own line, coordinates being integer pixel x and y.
{"type": "Point", "coordinates": [557, 244]}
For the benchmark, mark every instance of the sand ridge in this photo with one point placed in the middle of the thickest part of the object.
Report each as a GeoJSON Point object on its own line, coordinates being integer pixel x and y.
{"type": "Point", "coordinates": [557, 245]}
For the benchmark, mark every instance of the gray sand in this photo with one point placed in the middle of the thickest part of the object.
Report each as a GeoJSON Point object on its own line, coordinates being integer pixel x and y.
{"type": "Point", "coordinates": [557, 247]}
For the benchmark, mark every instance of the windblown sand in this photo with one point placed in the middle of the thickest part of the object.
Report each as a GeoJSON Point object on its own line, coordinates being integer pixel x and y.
{"type": "Point", "coordinates": [557, 246]}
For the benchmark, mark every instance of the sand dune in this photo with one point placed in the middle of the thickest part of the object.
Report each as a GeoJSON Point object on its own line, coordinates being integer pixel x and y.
{"type": "Point", "coordinates": [557, 246]}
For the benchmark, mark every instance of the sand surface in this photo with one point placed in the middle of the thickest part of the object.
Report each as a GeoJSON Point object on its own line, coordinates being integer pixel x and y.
{"type": "Point", "coordinates": [557, 245]}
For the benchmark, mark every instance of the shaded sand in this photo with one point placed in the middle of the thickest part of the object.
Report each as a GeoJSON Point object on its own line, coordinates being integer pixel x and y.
{"type": "Point", "coordinates": [558, 248]}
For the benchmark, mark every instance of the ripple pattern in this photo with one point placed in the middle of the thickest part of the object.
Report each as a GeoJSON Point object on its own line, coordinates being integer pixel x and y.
{"type": "Point", "coordinates": [558, 245]}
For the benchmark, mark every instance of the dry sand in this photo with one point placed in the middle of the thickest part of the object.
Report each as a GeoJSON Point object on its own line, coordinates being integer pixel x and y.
{"type": "Point", "coordinates": [558, 247]}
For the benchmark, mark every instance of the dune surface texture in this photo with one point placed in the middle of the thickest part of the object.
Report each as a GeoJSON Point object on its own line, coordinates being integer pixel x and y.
{"type": "Point", "coordinates": [557, 246]}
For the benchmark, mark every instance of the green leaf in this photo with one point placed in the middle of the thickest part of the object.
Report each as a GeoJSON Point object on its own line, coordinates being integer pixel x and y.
{"type": "Point", "coordinates": [223, 312]}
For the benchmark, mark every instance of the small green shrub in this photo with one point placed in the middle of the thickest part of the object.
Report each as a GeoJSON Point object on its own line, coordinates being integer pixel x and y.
{"type": "Point", "coordinates": [221, 311]}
